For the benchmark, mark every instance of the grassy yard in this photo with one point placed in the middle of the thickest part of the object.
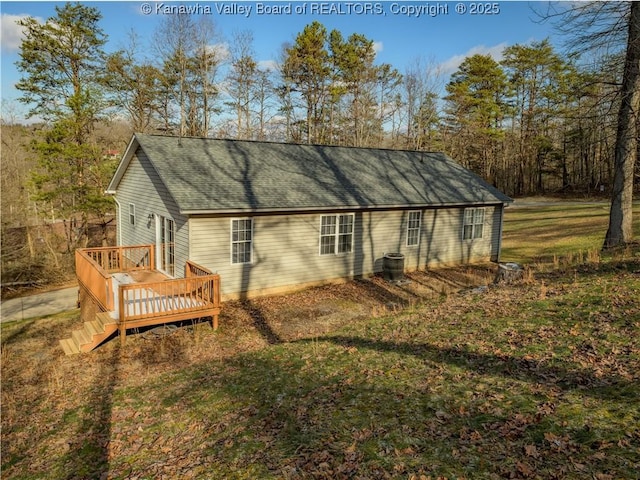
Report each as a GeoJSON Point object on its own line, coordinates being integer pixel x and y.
{"type": "Point", "coordinates": [536, 234]}
{"type": "Point", "coordinates": [535, 380]}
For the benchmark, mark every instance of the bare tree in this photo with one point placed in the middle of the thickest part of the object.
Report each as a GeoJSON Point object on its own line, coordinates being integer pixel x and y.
{"type": "Point", "coordinates": [135, 85]}
{"type": "Point", "coordinates": [174, 43]}
{"type": "Point", "coordinates": [190, 62]}
{"type": "Point", "coordinates": [609, 26]}
{"type": "Point", "coordinates": [620, 229]}
{"type": "Point", "coordinates": [242, 79]}
{"type": "Point", "coordinates": [206, 61]}
{"type": "Point", "coordinates": [422, 79]}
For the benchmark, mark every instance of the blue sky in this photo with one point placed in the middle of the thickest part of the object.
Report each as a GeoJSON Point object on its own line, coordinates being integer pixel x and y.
{"type": "Point", "coordinates": [400, 36]}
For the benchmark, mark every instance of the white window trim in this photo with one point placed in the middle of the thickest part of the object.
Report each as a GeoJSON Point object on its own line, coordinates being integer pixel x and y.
{"type": "Point", "coordinates": [336, 235]}
{"type": "Point", "coordinates": [231, 241]}
{"type": "Point", "coordinates": [165, 256]}
{"type": "Point", "coordinates": [132, 214]}
{"type": "Point", "coordinates": [417, 229]}
{"type": "Point", "coordinates": [473, 224]}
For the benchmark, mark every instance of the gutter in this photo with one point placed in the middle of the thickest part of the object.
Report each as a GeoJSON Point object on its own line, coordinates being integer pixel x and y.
{"type": "Point", "coordinates": [337, 208]}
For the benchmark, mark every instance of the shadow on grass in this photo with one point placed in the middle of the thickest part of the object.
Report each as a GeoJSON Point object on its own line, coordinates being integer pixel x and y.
{"type": "Point", "coordinates": [299, 408]}
{"type": "Point", "coordinates": [522, 369]}
{"type": "Point", "coordinates": [88, 455]}
{"type": "Point", "coordinates": [12, 333]}
{"type": "Point", "coordinates": [261, 323]}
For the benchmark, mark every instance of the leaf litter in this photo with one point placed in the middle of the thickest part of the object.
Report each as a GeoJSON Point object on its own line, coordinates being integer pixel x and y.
{"type": "Point", "coordinates": [359, 380]}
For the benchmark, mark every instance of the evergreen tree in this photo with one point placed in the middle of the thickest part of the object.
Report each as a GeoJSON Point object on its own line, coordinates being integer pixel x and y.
{"type": "Point", "coordinates": [354, 78]}
{"type": "Point", "coordinates": [476, 108]}
{"type": "Point", "coordinates": [306, 68]}
{"type": "Point", "coordinates": [537, 74]}
{"type": "Point", "coordinates": [62, 65]}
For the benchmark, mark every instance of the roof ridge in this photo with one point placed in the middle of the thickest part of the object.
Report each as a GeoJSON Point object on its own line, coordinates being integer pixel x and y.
{"type": "Point", "coordinates": [274, 142]}
{"type": "Point", "coordinates": [216, 174]}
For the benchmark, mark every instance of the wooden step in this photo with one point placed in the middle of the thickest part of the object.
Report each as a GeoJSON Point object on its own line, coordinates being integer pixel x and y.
{"type": "Point", "coordinates": [92, 334]}
{"type": "Point", "coordinates": [106, 319]}
{"type": "Point", "coordinates": [69, 346]}
{"type": "Point", "coordinates": [81, 337]}
{"type": "Point", "coordinates": [94, 327]}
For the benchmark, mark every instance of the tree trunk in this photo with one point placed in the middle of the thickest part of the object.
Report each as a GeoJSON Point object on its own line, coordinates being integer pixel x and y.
{"type": "Point", "coordinates": [620, 229]}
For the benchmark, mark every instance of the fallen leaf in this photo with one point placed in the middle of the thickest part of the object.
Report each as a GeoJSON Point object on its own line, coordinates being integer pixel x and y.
{"type": "Point", "coordinates": [531, 451]}
{"type": "Point", "coordinates": [351, 448]}
{"type": "Point", "coordinates": [524, 468]}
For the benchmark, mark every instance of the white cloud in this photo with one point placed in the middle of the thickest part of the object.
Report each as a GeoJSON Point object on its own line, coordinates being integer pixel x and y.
{"type": "Point", "coordinates": [268, 65]}
{"type": "Point", "coordinates": [377, 47]}
{"type": "Point", "coordinates": [221, 51]}
{"type": "Point", "coordinates": [451, 65]}
{"type": "Point", "coordinates": [11, 33]}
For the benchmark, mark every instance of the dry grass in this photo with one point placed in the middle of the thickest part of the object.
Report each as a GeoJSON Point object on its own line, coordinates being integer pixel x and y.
{"type": "Point", "coordinates": [360, 380]}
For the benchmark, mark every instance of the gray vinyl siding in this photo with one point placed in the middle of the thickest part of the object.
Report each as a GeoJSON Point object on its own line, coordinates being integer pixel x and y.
{"type": "Point", "coordinates": [286, 247]}
{"type": "Point", "coordinates": [141, 186]}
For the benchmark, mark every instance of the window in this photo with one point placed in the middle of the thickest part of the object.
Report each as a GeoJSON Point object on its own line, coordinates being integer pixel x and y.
{"type": "Point", "coordinates": [132, 214]}
{"type": "Point", "coordinates": [413, 229]}
{"type": "Point", "coordinates": [473, 223]}
{"type": "Point", "coordinates": [241, 240]}
{"type": "Point", "coordinates": [165, 244]}
{"type": "Point", "coordinates": [336, 234]}
{"type": "Point", "coordinates": [168, 245]}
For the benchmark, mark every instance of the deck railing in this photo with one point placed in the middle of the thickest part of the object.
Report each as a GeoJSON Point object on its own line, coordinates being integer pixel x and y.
{"type": "Point", "coordinates": [123, 259]}
{"type": "Point", "coordinates": [146, 303]}
{"type": "Point", "coordinates": [179, 296]}
{"type": "Point", "coordinates": [95, 279]}
{"type": "Point", "coordinates": [192, 269]}
{"type": "Point", "coordinates": [95, 265]}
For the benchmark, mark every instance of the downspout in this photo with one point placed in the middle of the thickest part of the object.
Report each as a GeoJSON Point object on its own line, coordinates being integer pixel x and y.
{"type": "Point", "coordinates": [500, 233]}
{"type": "Point", "coordinates": [119, 223]}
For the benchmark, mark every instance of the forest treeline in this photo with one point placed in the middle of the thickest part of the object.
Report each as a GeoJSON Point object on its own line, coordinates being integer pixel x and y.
{"type": "Point", "coordinates": [536, 121]}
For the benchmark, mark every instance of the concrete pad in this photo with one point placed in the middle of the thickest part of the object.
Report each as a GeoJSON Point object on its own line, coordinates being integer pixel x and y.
{"type": "Point", "coordinates": [40, 304]}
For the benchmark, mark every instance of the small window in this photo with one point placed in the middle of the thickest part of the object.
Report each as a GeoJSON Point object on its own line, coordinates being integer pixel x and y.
{"type": "Point", "coordinates": [473, 223]}
{"type": "Point", "coordinates": [413, 229]}
{"type": "Point", "coordinates": [336, 234]}
{"type": "Point", "coordinates": [241, 240]}
{"type": "Point", "coordinates": [132, 214]}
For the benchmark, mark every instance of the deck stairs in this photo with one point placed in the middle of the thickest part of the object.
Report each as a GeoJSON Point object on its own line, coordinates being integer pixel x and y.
{"type": "Point", "coordinates": [91, 335]}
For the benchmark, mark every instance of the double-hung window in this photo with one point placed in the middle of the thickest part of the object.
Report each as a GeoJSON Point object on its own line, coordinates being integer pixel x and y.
{"type": "Point", "coordinates": [336, 234]}
{"type": "Point", "coordinates": [132, 214]}
{"type": "Point", "coordinates": [473, 223]}
{"type": "Point", "coordinates": [241, 240]}
{"type": "Point", "coordinates": [413, 229]}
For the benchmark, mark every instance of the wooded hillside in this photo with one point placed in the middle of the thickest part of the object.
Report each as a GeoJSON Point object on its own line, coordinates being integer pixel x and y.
{"type": "Point", "coordinates": [538, 121]}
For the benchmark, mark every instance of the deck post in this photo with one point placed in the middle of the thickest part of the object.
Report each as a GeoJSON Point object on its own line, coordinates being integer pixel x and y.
{"type": "Point", "coordinates": [214, 321]}
{"type": "Point", "coordinates": [122, 324]}
{"type": "Point", "coordinates": [152, 259]}
{"type": "Point", "coordinates": [123, 333]}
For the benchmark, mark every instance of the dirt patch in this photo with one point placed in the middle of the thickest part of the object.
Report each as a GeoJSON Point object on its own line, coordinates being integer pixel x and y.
{"type": "Point", "coordinates": [318, 310]}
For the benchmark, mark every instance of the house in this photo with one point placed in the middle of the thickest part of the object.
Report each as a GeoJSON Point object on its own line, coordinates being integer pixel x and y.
{"type": "Point", "coordinates": [271, 217]}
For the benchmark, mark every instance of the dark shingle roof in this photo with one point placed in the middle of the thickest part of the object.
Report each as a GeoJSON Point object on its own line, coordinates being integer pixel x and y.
{"type": "Point", "coordinates": [212, 175]}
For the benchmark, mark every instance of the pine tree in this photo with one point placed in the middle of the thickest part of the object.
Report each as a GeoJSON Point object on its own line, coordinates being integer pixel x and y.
{"type": "Point", "coordinates": [306, 68]}
{"type": "Point", "coordinates": [476, 108]}
{"type": "Point", "coordinates": [62, 65]}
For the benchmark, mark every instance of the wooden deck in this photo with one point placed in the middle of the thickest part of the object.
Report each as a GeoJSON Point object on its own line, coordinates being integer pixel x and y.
{"type": "Point", "coordinates": [126, 291]}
